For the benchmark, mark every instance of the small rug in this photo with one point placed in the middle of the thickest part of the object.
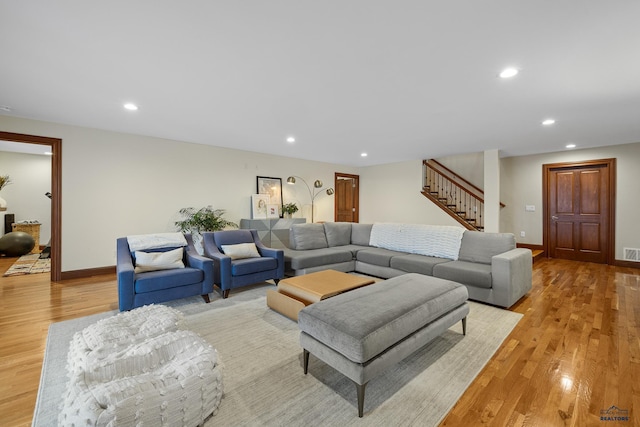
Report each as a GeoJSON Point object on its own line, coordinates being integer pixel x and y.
{"type": "Point", "coordinates": [29, 264]}
{"type": "Point", "coordinates": [264, 384]}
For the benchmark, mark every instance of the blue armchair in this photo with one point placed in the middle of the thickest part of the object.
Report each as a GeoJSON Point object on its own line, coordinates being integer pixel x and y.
{"type": "Point", "coordinates": [138, 289]}
{"type": "Point", "coordinates": [232, 273]}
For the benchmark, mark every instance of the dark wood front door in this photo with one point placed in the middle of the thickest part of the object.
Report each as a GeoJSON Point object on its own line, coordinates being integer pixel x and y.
{"type": "Point", "coordinates": [347, 198]}
{"type": "Point", "coordinates": [579, 211]}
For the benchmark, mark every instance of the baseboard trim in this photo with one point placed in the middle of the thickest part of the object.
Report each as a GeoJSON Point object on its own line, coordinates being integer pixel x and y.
{"type": "Point", "coordinates": [626, 264]}
{"type": "Point", "coordinates": [89, 272]}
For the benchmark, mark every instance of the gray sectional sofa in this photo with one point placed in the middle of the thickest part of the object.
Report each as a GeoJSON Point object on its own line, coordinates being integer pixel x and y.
{"type": "Point", "coordinates": [488, 264]}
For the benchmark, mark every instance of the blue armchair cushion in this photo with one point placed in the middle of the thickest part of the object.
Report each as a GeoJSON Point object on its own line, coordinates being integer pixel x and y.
{"type": "Point", "coordinates": [242, 267]}
{"type": "Point", "coordinates": [152, 261]}
{"type": "Point", "coordinates": [163, 279]}
{"type": "Point", "coordinates": [241, 250]}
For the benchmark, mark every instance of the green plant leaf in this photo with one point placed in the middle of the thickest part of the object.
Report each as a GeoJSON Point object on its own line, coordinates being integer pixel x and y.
{"type": "Point", "coordinates": [203, 219]}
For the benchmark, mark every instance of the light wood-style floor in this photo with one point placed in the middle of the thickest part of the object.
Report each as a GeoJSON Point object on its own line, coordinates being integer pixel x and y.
{"type": "Point", "coordinates": [575, 353]}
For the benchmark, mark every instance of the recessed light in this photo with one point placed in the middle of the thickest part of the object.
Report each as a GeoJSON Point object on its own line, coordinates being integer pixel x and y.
{"type": "Point", "coordinates": [131, 107]}
{"type": "Point", "coordinates": [570, 146]}
{"type": "Point", "coordinates": [291, 140]}
{"type": "Point", "coordinates": [508, 72]}
{"type": "Point", "coordinates": [548, 122]}
{"type": "Point", "coordinates": [363, 154]}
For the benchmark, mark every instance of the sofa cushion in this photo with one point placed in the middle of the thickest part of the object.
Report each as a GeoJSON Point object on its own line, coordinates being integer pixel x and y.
{"type": "Point", "coordinates": [468, 273]}
{"type": "Point", "coordinates": [338, 233]}
{"type": "Point", "coordinates": [152, 261]}
{"type": "Point", "coordinates": [241, 267]}
{"type": "Point", "coordinates": [354, 249]}
{"type": "Point", "coordinates": [361, 234]}
{"type": "Point", "coordinates": [166, 279]}
{"type": "Point", "coordinates": [412, 263]}
{"type": "Point", "coordinates": [480, 247]}
{"type": "Point", "coordinates": [377, 256]}
{"type": "Point", "coordinates": [298, 260]}
{"type": "Point", "coordinates": [307, 236]}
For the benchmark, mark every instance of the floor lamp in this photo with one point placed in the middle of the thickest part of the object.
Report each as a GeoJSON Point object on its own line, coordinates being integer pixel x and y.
{"type": "Point", "coordinates": [317, 189]}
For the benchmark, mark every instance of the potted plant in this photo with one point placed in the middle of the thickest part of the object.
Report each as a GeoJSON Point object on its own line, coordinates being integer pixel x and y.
{"type": "Point", "coordinates": [204, 219]}
{"type": "Point", "coordinates": [197, 221]}
{"type": "Point", "coordinates": [4, 181]}
{"type": "Point", "coordinates": [289, 209]}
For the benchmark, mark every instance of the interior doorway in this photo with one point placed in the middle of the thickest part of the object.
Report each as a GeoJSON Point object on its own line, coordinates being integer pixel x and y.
{"type": "Point", "coordinates": [347, 199]}
{"type": "Point", "coordinates": [56, 187]}
{"type": "Point", "coordinates": [579, 210]}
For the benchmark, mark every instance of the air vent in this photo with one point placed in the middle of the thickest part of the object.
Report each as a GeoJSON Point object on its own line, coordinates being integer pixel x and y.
{"type": "Point", "coordinates": [632, 254]}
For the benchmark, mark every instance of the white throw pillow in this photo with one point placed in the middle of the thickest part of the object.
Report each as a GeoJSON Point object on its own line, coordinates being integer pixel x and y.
{"type": "Point", "coordinates": [151, 261]}
{"type": "Point", "coordinates": [241, 250]}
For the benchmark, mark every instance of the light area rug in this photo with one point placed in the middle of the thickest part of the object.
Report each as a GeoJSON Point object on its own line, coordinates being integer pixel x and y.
{"type": "Point", "coordinates": [263, 378]}
{"type": "Point", "coordinates": [29, 264]}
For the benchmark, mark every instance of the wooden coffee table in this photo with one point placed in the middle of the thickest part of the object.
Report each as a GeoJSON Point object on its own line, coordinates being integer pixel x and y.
{"type": "Point", "coordinates": [295, 293]}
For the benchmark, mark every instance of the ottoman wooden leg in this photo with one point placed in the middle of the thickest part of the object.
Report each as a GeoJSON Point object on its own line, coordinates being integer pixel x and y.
{"type": "Point", "coordinates": [305, 363]}
{"type": "Point", "coordinates": [464, 326]}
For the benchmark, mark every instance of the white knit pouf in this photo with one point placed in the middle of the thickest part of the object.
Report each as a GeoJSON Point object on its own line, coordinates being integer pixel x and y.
{"type": "Point", "coordinates": [167, 379]}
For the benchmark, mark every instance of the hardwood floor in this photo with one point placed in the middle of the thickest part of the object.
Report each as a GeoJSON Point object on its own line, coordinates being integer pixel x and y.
{"type": "Point", "coordinates": [575, 353]}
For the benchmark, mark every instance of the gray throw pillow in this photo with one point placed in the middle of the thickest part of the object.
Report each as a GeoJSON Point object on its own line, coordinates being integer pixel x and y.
{"type": "Point", "coordinates": [338, 233]}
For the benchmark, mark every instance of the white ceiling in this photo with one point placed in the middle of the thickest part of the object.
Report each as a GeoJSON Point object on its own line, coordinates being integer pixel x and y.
{"type": "Point", "coordinates": [396, 79]}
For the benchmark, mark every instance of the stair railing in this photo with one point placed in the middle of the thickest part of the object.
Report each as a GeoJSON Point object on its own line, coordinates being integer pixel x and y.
{"type": "Point", "coordinates": [462, 200]}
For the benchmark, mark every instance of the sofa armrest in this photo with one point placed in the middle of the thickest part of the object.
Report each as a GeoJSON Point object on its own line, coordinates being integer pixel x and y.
{"type": "Point", "coordinates": [278, 254]}
{"type": "Point", "coordinates": [511, 274]}
{"type": "Point", "coordinates": [195, 260]}
{"type": "Point", "coordinates": [221, 262]}
{"type": "Point", "coordinates": [125, 274]}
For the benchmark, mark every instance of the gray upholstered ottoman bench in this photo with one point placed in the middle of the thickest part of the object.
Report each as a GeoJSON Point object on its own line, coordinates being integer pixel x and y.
{"type": "Point", "coordinates": [362, 332]}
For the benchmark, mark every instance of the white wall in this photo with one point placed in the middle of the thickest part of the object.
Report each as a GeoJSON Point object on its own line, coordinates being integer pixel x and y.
{"type": "Point", "coordinates": [470, 166]}
{"type": "Point", "coordinates": [521, 185]}
{"type": "Point", "coordinates": [391, 193]}
{"type": "Point", "coordinates": [30, 180]}
{"type": "Point", "coordinates": [118, 184]}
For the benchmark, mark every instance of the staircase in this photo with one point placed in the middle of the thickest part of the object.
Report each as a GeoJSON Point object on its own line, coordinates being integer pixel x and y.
{"type": "Point", "coordinates": [462, 200]}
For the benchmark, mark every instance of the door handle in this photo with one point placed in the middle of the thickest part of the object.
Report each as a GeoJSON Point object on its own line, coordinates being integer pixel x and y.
{"type": "Point", "coordinates": [554, 217]}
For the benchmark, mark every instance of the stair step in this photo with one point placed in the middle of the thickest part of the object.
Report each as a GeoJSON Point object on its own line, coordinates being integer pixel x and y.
{"type": "Point", "coordinates": [470, 220]}
{"type": "Point", "coordinates": [452, 206]}
{"type": "Point", "coordinates": [537, 254]}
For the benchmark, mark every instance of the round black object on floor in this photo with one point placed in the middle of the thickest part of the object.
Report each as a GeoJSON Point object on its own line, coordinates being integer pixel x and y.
{"type": "Point", "coordinates": [16, 243]}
